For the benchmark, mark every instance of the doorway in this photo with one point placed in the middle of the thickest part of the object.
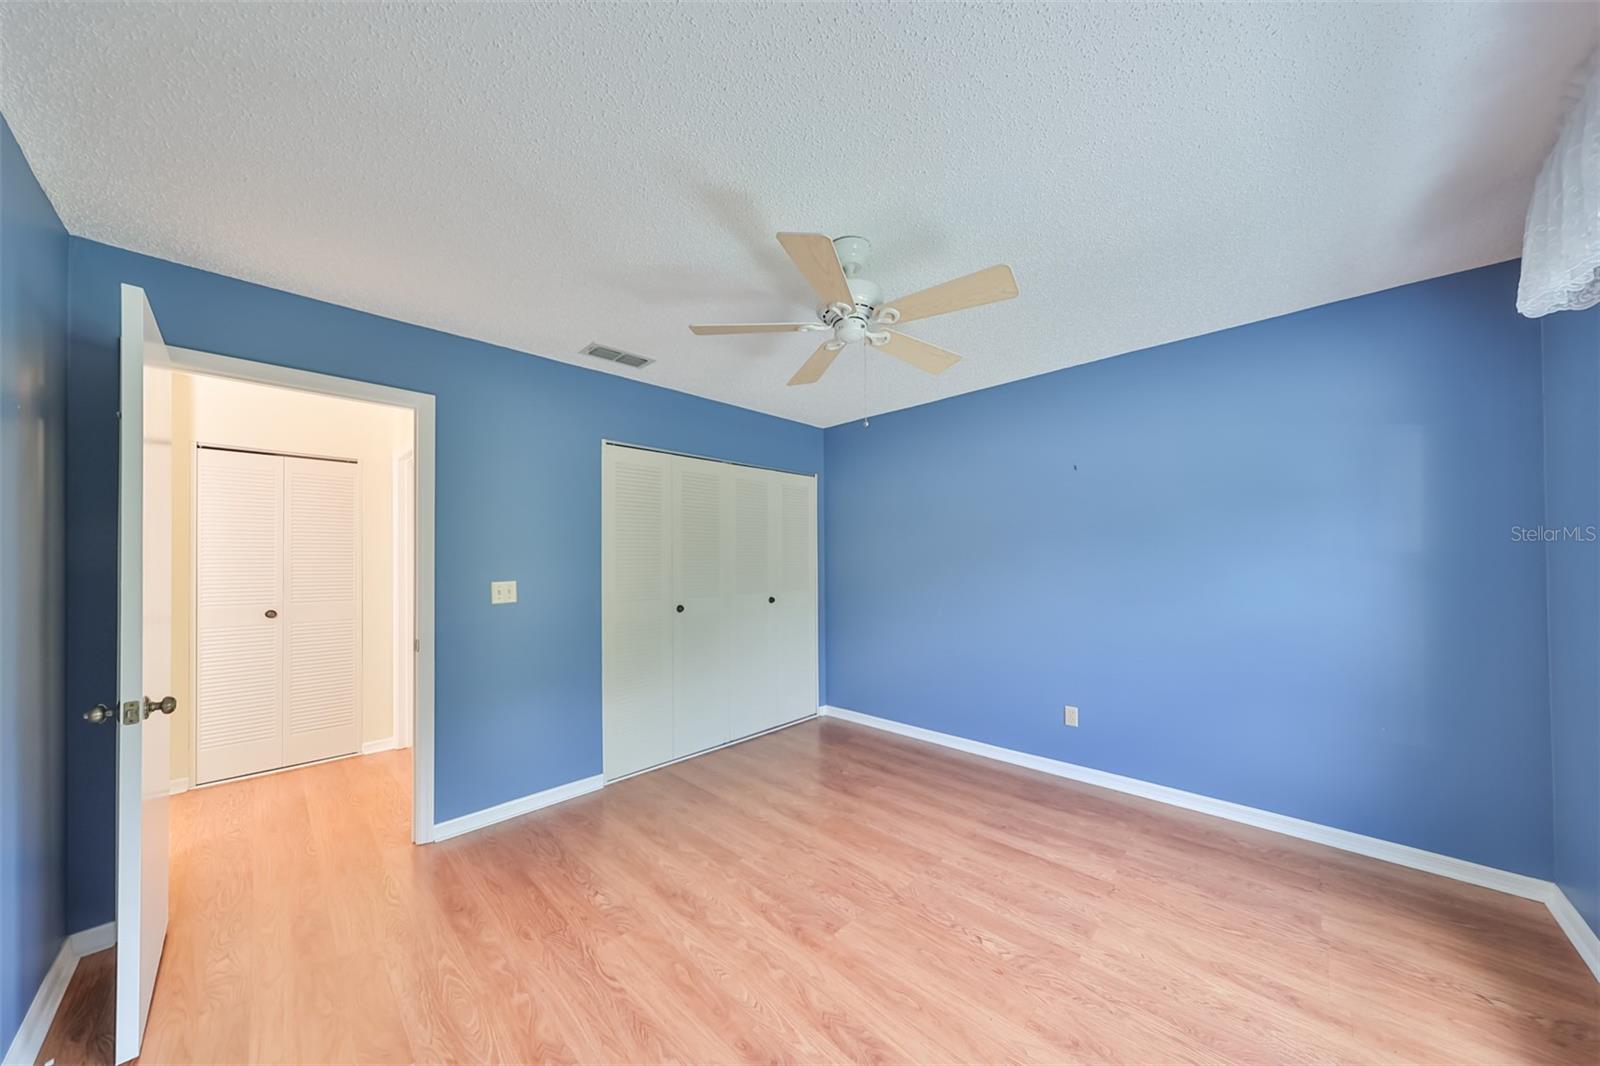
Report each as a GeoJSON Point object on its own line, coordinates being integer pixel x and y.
{"type": "Point", "coordinates": [286, 636]}
{"type": "Point", "coordinates": [312, 495]}
{"type": "Point", "coordinates": [152, 476]}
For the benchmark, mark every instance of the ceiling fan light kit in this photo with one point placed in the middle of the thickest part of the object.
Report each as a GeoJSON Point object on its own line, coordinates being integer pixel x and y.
{"type": "Point", "coordinates": [853, 309]}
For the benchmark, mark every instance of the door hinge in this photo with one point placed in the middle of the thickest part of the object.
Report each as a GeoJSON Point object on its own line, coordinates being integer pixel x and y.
{"type": "Point", "coordinates": [416, 645]}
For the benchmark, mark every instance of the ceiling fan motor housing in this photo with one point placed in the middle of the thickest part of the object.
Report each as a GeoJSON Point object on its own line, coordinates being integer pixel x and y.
{"type": "Point", "coordinates": [852, 253]}
{"type": "Point", "coordinates": [852, 325]}
{"type": "Point", "coordinates": [866, 293]}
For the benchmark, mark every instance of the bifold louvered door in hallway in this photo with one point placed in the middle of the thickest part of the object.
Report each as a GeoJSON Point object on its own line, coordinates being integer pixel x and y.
{"type": "Point", "coordinates": [278, 612]}
{"type": "Point", "coordinates": [709, 603]}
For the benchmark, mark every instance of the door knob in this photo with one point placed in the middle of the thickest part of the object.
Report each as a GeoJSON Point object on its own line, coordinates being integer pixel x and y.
{"type": "Point", "coordinates": [165, 706]}
{"type": "Point", "coordinates": [272, 614]}
{"type": "Point", "coordinates": [680, 608]}
{"type": "Point", "coordinates": [99, 713]}
{"type": "Point", "coordinates": [772, 599]}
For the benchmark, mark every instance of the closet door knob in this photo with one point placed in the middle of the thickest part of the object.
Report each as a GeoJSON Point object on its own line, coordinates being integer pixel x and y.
{"type": "Point", "coordinates": [680, 608]}
{"type": "Point", "coordinates": [272, 614]}
{"type": "Point", "coordinates": [772, 599]}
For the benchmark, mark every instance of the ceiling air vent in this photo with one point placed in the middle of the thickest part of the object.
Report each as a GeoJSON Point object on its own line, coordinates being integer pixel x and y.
{"type": "Point", "coordinates": [616, 355]}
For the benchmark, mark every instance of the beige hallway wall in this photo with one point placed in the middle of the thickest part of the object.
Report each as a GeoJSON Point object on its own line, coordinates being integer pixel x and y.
{"type": "Point", "coordinates": [209, 410]}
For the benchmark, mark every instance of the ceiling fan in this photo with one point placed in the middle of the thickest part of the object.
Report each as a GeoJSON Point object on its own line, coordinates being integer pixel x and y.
{"type": "Point", "coordinates": [853, 309]}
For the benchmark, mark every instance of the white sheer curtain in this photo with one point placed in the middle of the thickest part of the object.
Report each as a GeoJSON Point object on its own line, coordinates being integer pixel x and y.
{"type": "Point", "coordinates": [1561, 248]}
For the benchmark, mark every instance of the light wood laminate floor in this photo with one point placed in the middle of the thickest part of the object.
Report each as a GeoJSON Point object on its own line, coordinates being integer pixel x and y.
{"type": "Point", "coordinates": [827, 892]}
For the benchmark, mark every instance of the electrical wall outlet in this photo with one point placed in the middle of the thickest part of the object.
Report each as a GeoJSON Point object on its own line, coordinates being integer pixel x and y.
{"type": "Point", "coordinates": [1070, 715]}
{"type": "Point", "coordinates": [502, 592]}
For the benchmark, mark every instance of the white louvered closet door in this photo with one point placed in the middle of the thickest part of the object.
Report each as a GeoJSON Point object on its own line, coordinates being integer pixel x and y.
{"type": "Point", "coordinates": [704, 655]}
{"type": "Point", "coordinates": [751, 698]}
{"type": "Point", "coordinates": [321, 610]}
{"type": "Point", "coordinates": [278, 624]}
{"type": "Point", "coordinates": [709, 604]}
{"type": "Point", "coordinates": [239, 650]}
{"type": "Point", "coordinates": [792, 631]}
{"type": "Point", "coordinates": [636, 598]}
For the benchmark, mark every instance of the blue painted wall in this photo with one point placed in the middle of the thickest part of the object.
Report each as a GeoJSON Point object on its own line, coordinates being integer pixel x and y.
{"type": "Point", "coordinates": [518, 438]}
{"type": "Point", "coordinates": [1572, 501]}
{"type": "Point", "coordinates": [1272, 565]}
{"type": "Point", "coordinates": [33, 363]}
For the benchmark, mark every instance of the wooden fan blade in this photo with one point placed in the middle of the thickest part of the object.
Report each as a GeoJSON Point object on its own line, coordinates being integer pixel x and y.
{"type": "Point", "coordinates": [753, 327]}
{"type": "Point", "coordinates": [816, 366]}
{"type": "Point", "coordinates": [919, 354]}
{"type": "Point", "coordinates": [987, 286]}
{"type": "Point", "coordinates": [813, 254]}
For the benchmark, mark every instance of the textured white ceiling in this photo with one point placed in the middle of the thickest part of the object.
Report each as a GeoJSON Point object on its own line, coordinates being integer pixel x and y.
{"type": "Point", "coordinates": [542, 176]}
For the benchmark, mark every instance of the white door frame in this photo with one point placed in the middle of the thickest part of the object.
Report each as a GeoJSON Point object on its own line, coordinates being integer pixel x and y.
{"type": "Point", "coordinates": [421, 404]}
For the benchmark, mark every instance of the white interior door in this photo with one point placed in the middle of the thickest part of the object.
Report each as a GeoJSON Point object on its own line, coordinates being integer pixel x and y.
{"type": "Point", "coordinates": [703, 632]}
{"type": "Point", "coordinates": [321, 610]}
{"type": "Point", "coordinates": [144, 533]}
{"type": "Point", "coordinates": [636, 608]}
{"type": "Point", "coordinates": [239, 632]}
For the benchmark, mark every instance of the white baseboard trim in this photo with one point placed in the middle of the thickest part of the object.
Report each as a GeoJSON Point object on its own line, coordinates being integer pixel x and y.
{"type": "Point", "coordinates": [25, 1045]}
{"type": "Point", "coordinates": [24, 1049]}
{"type": "Point", "coordinates": [1401, 854]}
{"type": "Point", "coordinates": [179, 784]}
{"type": "Point", "coordinates": [96, 938]}
{"type": "Point", "coordinates": [1571, 922]}
{"type": "Point", "coordinates": [372, 747]}
{"type": "Point", "coordinates": [1567, 917]}
{"type": "Point", "coordinates": [571, 790]}
{"type": "Point", "coordinates": [708, 751]}
{"type": "Point", "coordinates": [454, 827]}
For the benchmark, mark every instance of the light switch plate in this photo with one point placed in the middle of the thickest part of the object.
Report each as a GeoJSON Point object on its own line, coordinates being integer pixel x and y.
{"type": "Point", "coordinates": [1070, 715]}
{"type": "Point", "coordinates": [502, 592]}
